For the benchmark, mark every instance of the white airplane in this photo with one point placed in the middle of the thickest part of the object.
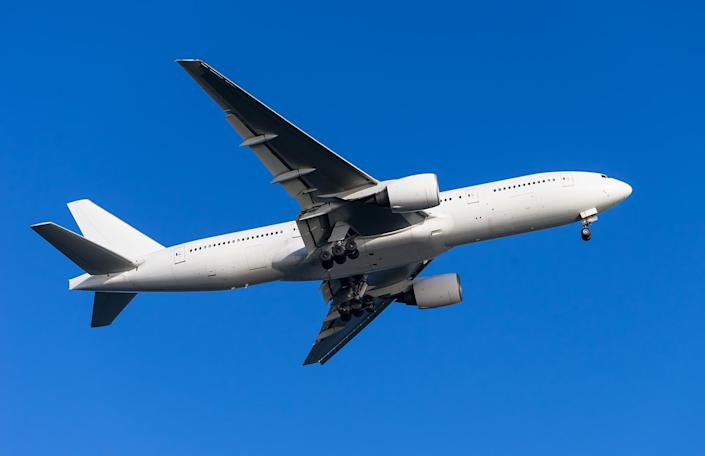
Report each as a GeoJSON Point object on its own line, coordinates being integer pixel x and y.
{"type": "Point", "coordinates": [366, 240]}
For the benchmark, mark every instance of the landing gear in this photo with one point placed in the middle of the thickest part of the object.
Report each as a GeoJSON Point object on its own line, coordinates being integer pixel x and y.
{"type": "Point", "coordinates": [339, 252]}
{"type": "Point", "coordinates": [586, 218]}
{"type": "Point", "coordinates": [351, 249]}
{"type": "Point", "coordinates": [585, 233]}
{"type": "Point", "coordinates": [351, 299]}
{"type": "Point", "coordinates": [356, 308]}
{"type": "Point", "coordinates": [368, 303]}
{"type": "Point", "coordinates": [345, 312]}
{"type": "Point", "coordinates": [326, 258]}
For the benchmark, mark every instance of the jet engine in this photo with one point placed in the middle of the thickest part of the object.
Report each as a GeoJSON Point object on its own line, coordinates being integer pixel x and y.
{"type": "Point", "coordinates": [409, 194]}
{"type": "Point", "coordinates": [435, 291]}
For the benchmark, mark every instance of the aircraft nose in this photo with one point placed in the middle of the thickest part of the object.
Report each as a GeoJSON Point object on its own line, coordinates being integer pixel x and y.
{"type": "Point", "coordinates": [619, 190]}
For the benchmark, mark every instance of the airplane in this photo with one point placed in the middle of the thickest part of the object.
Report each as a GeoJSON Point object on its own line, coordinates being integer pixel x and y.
{"type": "Point", "coordinates": [367, 241]}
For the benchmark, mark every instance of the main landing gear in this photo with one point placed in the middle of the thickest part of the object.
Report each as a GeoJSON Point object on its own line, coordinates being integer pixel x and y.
{"type": "Point", "coordinates": [338, 253]}
{"type": "Point", "coordinates": [351, 300]}
{"type": "Point", "coordinates": [356, 308]}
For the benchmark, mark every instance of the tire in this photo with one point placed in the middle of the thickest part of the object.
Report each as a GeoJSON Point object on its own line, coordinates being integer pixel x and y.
{"type": "Point", "coordinates": [344, 312]}
{"type": "Point", "coordinates": [350, 246]}
{"type": "Point", "coordinates": [326, 259]}
{"type": "Point", "coordinates": [585, 234]}
{"type": "Point", "coordinates": [338, 250]}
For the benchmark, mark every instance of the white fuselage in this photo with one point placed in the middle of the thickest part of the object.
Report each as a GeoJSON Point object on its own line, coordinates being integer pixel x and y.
{"type": "Point", "coordinates": [277, 252]}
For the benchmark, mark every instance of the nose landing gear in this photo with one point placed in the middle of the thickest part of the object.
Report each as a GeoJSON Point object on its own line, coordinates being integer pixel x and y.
{"type": "Point", "coordinates": [585, 233]}
{"type": "Point", "coordinates": [586, 218]}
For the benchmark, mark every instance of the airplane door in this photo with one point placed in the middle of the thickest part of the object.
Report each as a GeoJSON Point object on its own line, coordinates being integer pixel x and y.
{"type": "Point", "coordinates": [179, 255]}
{"type": "Point", "coordinates": [567, 181]}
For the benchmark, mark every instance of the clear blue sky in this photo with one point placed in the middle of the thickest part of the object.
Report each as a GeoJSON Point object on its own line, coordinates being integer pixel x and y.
{"type": "Point", "coordinates": [561, 347]}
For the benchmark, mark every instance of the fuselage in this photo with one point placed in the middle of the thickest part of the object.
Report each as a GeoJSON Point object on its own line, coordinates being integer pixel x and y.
{"type": "Point", "coordinates": [277, 252]}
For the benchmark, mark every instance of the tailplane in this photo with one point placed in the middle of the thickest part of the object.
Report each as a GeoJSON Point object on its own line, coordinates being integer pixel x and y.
{"type": "Point", "coordinates": [107, 306]}
{"type": "Point", "coordinates": [89, 256]}
{"type": "Point", "coordinates": [102, 227]}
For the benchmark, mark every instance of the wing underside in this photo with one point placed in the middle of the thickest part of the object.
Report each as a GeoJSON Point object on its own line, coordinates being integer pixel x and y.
{"type": "Point", "coordinates": [383, 287]}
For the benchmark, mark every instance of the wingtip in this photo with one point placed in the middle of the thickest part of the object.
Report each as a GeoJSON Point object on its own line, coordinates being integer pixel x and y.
{"type": "Point", "coordinates": [36, 226]}
{"type": "Point", "coordinates": [189, 62]}
{"type": "Point", "coordinates": [78, 201]}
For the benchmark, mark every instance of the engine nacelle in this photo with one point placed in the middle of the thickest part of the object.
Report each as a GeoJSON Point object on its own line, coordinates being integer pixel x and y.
{"type": "Point", "coordinates": [435, 291]}
{"type": "Point", "coordinates": [409, 194]}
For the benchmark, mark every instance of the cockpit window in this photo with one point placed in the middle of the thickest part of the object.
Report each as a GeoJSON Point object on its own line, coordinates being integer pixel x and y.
{"type": "Point", "coordinates": [604, 176]}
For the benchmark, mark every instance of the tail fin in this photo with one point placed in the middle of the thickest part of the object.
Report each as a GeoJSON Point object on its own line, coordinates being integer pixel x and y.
{"type": "Point", "coordinates": [107, 306]}
{"type": "Point", "coordinates": [89, 256]}
{"type": "Point", "coordinates": [102, 227]}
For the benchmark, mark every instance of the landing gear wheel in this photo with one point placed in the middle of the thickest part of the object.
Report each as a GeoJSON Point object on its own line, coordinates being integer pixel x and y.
{"type": "Point", "coordinates": [338, 249]}
{"type": "Point", "coordinates": [369, 304]}
{"type": "Point", "coordinates": [354, 254]}
{"type": "Point", "coordinates": [585, 233]}
{"type": "Point", "coordinates": [326, 259]}
{"type": "Point", "coordinates": [357, 313]}
{"type": "Point", "coordinates": [344, 312]}
{"type": "Point", "coordinates": [350, 245]}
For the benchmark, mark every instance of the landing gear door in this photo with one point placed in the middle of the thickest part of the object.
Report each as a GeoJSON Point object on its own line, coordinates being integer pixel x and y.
{"type": "Point", "coordinates": [179, 255]}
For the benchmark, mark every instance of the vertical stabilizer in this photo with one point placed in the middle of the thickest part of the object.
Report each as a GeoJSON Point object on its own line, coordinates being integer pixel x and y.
{"type": "Point", "coordinates": [102, 227]}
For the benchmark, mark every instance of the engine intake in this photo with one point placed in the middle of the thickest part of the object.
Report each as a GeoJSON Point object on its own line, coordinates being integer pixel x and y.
{"type": "Point", "coordinates": [409, 194]}
{"type": "Point", "coordinates": [435, 291]}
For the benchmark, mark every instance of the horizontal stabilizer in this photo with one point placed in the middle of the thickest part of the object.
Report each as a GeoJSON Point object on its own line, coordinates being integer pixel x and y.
{"type": "Point", "coordinates": [107, 306]}
{"type": "Point", "coordinates": [89, 256]}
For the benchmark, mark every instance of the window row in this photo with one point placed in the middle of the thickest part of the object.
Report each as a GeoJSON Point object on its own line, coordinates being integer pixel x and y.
{"type": "Point", "coordinates": [525, 184]}
{"type": "Point", "coordinates": [233, 241]}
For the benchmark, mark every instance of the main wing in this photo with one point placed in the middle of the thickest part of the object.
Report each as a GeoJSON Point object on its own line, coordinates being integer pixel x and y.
{"type": "Point", "coordinates": [327, 187]}
{"type": "Point", "coordinates": [381, 288]}
{"type": "Point", "coordinates": [305, 167]}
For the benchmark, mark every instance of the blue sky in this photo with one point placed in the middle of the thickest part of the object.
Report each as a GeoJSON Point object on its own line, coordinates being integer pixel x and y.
{"type": "Point", "coordinates": [560, 347]}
